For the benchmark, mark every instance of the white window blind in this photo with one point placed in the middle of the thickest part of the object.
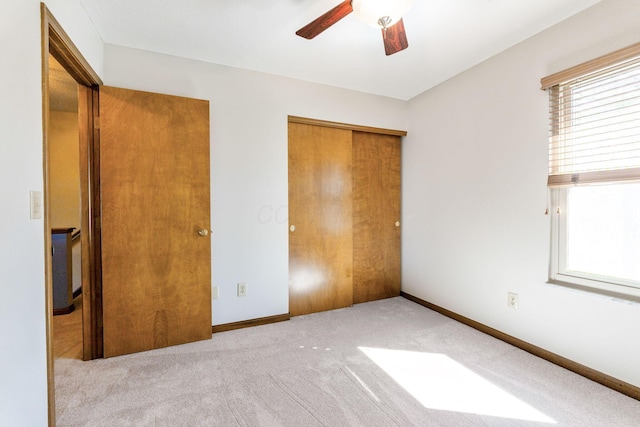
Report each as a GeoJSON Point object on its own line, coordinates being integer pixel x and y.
{"type": "Point", "coordinates": [594, 132]}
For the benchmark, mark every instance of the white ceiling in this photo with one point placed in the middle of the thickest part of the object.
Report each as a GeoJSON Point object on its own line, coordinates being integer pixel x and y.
{"type": "Point", "coordinates": [445, 37]}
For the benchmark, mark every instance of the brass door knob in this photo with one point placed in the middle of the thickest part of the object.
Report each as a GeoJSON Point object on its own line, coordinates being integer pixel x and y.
{"type": "Point", "coordinates": [204, 232]}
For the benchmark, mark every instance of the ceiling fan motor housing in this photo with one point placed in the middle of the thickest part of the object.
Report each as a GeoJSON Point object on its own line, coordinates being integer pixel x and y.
{"type": "Point", "coordinates": [380, 13]}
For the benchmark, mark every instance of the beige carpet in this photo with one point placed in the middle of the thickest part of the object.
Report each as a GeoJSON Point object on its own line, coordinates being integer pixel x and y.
{"type": "Point", "coordinates": [385, 363]}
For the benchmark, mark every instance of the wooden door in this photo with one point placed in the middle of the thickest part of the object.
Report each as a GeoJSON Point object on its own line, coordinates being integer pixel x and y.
{"type": "Point", "coordinates": [376, 216]}
{"type": "Point", "coordinates": [154, 175]}
{"type": "Point", "coordinates": [320, 219]}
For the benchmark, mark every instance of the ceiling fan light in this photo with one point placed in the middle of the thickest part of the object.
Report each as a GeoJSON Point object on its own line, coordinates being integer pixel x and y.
{"type": "Point", "coordinates": [373, 12]}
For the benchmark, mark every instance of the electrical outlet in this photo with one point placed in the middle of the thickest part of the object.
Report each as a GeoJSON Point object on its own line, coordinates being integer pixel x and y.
{"type": "Point", "coordinates": [242, 289]}
{"type": "Point", "coordinates": [512, 300]}
{"type": "Point", "coordinates": [214, 292]}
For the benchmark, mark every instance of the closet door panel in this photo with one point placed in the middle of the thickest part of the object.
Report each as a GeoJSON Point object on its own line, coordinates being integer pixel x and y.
{"type": "Point", "coordinates": [320, 219]}
{"type": "Point", "coordinates": [376, 216]}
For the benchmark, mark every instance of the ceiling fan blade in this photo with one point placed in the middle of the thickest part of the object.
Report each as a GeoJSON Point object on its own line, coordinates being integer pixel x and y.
{"type": "Point", "coordinates": [320, 24]}
{"type": "Point", "coordinates": [395, 38]}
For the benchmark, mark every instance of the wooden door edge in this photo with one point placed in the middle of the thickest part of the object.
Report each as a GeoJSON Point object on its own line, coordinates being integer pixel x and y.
{"type": "Point", "coordinates": [90, 219]}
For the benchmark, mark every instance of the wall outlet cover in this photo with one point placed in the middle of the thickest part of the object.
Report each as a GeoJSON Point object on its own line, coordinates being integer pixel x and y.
{"type": "Point", "coordinates": [242, 289]}
{"type": "Point", "coordinates": [512, 300]}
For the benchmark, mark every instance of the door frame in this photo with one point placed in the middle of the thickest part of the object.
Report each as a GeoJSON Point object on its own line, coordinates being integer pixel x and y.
{"type": "Point", "coordinates": [55, 41]}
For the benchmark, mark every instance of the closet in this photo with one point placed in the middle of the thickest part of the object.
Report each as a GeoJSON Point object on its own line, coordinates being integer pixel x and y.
{"type": "Point", "coordinates": [344, 214]}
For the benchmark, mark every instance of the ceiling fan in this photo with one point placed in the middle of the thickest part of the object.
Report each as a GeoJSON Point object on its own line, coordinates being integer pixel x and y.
{"type": "Point", "coordinates": [383, 14]}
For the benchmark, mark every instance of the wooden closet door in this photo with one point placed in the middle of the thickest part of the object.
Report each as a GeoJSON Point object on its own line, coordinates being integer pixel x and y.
{"type": "Point", "coordinates": [320, 219]}
{"type": "Point", "coordinates": [376, 216]}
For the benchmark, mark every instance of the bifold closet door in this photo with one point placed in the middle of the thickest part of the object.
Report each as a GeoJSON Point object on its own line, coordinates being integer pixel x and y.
{"type": "Point", "coordinates": [376, 216]}
{"type": "Point", "coordinates": [320, 219]}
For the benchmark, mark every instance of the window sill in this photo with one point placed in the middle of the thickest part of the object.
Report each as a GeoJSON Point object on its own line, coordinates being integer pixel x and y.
{"type": "Point", "coordinates": [613, 291]}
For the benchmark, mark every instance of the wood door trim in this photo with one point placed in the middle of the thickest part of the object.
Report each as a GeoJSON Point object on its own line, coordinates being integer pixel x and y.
{"type": "Point", "coordinates": [56, 42]}
{"type": "Point", "coordinates": [59, 45]}
{"type": "Point", "coordinates": [48, 270]}
{"type": "Point", "coordinates": [338, 125]}
{"type": "Point", "coordinates": [90, 221]}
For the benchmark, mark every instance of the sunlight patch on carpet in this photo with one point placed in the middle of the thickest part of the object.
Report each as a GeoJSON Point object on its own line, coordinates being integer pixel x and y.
{"type": "Point", "coordinates": [439, 382]}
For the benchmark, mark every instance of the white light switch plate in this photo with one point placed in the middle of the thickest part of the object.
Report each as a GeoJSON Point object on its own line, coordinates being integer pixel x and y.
{"type": "Point", "coordinates": [36, 204]}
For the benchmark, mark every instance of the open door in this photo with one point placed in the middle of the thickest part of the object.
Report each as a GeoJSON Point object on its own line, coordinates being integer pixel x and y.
{"type": "Point", "coordinates": [155, 203]}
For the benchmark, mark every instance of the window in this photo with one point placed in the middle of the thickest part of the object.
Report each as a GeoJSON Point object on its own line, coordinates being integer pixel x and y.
{"type": "Point", "coordinates": [594, 172]}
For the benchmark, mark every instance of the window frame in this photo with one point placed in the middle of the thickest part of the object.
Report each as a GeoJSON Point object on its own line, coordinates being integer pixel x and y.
{"type": "Point", "coordinates": [557, 187]}
{"type": "Point", "coordinates": [558, 273]}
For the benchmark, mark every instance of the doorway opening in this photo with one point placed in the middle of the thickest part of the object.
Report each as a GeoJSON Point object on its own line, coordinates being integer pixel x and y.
{"type": "Point", "coordinates": [56, 44]}
{"type": "Point", "coordinates": [64, 212]}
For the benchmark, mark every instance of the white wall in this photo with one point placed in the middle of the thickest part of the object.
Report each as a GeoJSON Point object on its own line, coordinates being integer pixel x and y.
{"type": "Point", "coordinates": [64, 170]}
{"type": "Point", "coordinates": [249, 183]}
{"type": "Point", "coordinates": [473, 223]}
{"type": "Point", "coordinates": [474, 196]}
{"type": "Point", "coordinates": [23, 388]}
